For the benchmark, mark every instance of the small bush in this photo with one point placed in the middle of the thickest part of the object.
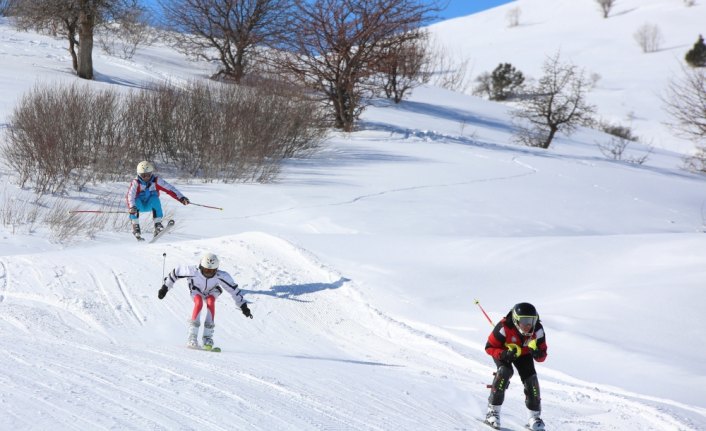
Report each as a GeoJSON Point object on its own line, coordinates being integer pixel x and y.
{"type": "Point", "coordinates": [649, 37]}
{"type": "Point", "coordinates": [615, 149]}
{"type": "Point", "coordinates": [512, 17]}
{"type": "Point", "coordinates": [623, 132]}
{"type": "Point", "coordinates": [696, 57]}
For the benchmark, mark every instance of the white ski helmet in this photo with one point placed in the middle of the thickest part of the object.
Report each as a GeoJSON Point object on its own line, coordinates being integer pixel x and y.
{"type": "Point", "coordinates": [209, 261]}
{"type": "Point", "coordinates": [145, 167]}
{"type": "Point", "coordinates": [208, 265]}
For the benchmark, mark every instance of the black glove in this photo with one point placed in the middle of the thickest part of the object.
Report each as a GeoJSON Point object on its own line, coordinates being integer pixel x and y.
{"type": "Point", "coordinates": [133, 210]}
{"type": "Point", "coordinates": [246, 310]}
{"type": "Point", "coordinates": [184, 200]}
{"type": "Point", "coordinates": [538, 354]}
{"type": "Point", "coordinates": [508, 355]}
{"type": "Point", "coordinates": [162, 291]}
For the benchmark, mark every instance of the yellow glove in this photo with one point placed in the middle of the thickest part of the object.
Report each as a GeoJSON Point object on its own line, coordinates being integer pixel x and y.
{"type": "Point", "coordinates": [532, 344]}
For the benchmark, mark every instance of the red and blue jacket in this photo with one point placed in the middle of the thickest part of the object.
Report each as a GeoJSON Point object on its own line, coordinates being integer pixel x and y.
{"type": "Point", "coordinates": [139, 188]}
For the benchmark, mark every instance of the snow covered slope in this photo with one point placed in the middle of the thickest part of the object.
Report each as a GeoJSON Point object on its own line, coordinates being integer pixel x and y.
{"type": "Point", "coordinates": [629, 83]}
{"type": "Point", "coordinates": [361, 265]}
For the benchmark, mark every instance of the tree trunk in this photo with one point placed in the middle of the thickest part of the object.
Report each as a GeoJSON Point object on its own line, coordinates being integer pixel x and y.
{"type": "Point", "coordinates": [552, 132]}
{"type": "Point", "coordinates": [72, 50]}
{"type": "Point", "coordinates": [86, 22]}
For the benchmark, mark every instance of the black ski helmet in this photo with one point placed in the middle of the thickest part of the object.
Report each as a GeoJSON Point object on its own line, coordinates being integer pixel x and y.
{"type": "Point", "coordinates": [525, 317]}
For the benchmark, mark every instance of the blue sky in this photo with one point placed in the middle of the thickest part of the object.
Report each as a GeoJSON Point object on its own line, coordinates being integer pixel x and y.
{"type": "Point", "coordinates": [467, 7]}
{"type": "Point", "coordinates": [455, 7]}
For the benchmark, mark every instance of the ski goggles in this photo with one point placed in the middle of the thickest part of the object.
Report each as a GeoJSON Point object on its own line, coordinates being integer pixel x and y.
{"type": "Point", "coordinates": [525, 323]}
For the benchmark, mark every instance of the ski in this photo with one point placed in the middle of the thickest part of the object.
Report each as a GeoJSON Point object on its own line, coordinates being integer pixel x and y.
{"type": "Point", "coordinates": [205, 348]}
{"type": "Point", "coordinates": [167, 228]}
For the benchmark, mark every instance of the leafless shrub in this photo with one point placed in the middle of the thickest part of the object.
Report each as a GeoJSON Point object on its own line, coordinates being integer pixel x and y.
{"type": "Point", "coordinates": [123, 38]}
{"type": "Point", "coordinates": [228, 132]}
{"type": "Point", "coordinates": [615, 149]}
{"type": "Point", "coordinates": [404, 66]}
{"type": "Point", "coordinates": [689, 3]}
{"type": "Point", "coordinates": [617, 130]}
{"type": "Point", "coordinates": [448, 71]}
{"type": "Point", "coordinates": [685, 101]}
{"type": "Point", "coordinates": [648, 37]}
{"type": "Point", "coordinates": [56, 133]}
{"type": "Point", "coordinates": [18, 211]}
{"type": "Point", "coordinates": [556, 103]}
{"type": "Point", "coordinates": [512, 17]}
{"type": "Point", "coordinates": [62, 137]}
{"type": "Point", "coordinates": [606, 6]}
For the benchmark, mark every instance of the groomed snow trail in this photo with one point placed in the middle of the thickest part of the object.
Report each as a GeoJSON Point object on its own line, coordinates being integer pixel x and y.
{"type": "Point", "coordinates": [87, 345]}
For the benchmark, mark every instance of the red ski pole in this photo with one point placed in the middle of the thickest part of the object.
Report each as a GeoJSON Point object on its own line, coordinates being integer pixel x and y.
{"type": "Point", "coordinates": [477, 302]}
{"type": "Point", "coordinates": [96, 212]}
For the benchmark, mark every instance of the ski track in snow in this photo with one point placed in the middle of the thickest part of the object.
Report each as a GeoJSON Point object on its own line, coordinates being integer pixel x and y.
{"type": "Point", "coordinates": [297, 302]}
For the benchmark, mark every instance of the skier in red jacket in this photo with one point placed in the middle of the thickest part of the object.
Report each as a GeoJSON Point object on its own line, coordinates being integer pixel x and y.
{"type": "Point", "coordinates": [518, 339]}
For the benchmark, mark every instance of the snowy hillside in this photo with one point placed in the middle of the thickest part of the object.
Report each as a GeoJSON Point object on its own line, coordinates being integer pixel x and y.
{"type": "Point", "coordinates": [361, 265]}
{"type": "Point", "coordinates": [629, 83]}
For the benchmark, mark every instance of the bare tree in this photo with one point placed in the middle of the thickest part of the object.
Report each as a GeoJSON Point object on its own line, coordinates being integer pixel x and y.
{"type": "Point", "coordinates": [337, 44]}
{"type": "Point", "coordinates": [405, 66]}
{"type": "Point", "coordinates": [557, 103]}
{"type": "Point", "coordinates": [649, 37]}
{"type": "Point", "coordinates": [227, 31]}
{"type": "Point", "coordinates": [449, 70]}
{"type": "Point", "coordinates": [75, 20]}
{"type": "Point", "coordinates": [686, 103]}
{"type": "Point", "coordinates": [606, 6]}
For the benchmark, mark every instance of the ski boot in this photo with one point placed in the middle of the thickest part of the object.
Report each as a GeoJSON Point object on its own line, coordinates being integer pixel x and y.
{"type": "Point", "coordinates": [192, 341]}
{"type": "Point", "coordinates": [208, 335]}
{"type": "Point", "coordinates": [158, 228]}
{"type": "Point", "coordinates": [492, 417]}
{"type": "Point", "coordinates": [136, 231]}
{"type": "Point", "coordinates": [535, 423]}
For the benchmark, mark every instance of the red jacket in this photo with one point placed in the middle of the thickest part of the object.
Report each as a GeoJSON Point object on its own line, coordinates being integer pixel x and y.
{"type": "Point", "coordinates": [504, 334]}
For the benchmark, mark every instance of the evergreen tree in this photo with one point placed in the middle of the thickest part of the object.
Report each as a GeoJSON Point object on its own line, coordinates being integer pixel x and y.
{"type": "Point", "coordinates": [697, 56]}
{"type": "Point", "coordinates": [505, 80]}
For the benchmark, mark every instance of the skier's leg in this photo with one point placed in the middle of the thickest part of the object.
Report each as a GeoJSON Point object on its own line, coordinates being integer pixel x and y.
{"type": "Point", "coordinates": [157, 213]}
{"type": "Point", "coordinates": [209, 325]}
{"type": "Point", "coordinates": [528, 374]}
{"type": "Point", "coordinates": [195, 321]}
{"type": "Point", "coordinates": [497, 393]}
{"type": "Point", "coordinates": [500, 383]}
{"type": "Point", "coordinates": [135, 218]}
{"type": "Point", "coordinates": [532, 399]}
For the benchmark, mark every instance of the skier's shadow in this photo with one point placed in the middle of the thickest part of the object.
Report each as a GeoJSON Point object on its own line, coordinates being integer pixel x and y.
{"type": "Point", "coordinates": [293, 291]}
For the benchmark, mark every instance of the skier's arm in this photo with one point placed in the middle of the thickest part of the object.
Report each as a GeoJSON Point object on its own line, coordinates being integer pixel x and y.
{"type": "Point", "coordinates": [176, 274]}
{"type": "Point", "coordinates": [538, 347]}
{"type": "Point", "coordinates": [169, 189]}
{"type": "Point", "coordinates": [131, 194]}
{"type": "Point", "coordinates": [495, 345]}
{"type": "Point", "coordinates": [232, 287]}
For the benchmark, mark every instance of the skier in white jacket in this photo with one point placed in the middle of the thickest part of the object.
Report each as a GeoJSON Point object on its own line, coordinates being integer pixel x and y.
{"type": "Point", "coordinates": [206, 282]}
